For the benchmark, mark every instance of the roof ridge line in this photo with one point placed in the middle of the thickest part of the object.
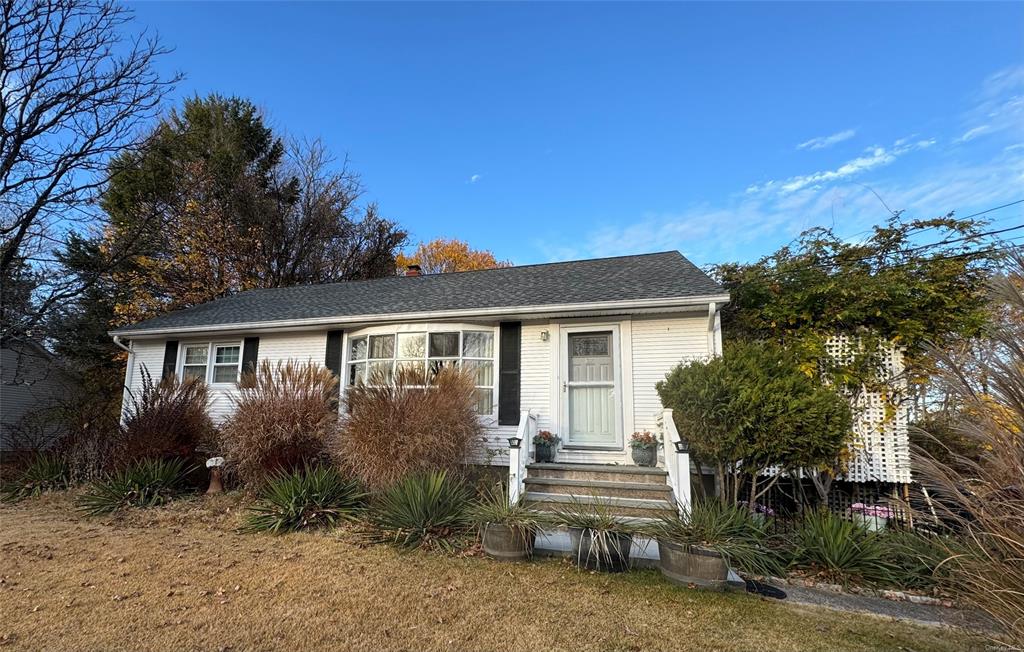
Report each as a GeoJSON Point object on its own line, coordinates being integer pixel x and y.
{"type": "Point", "coordinates": [466, 271]}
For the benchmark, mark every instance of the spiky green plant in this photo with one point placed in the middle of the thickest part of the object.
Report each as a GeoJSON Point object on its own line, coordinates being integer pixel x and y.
{"type": "Point", "coordinates": [313, 497]}
{"type": "Point", "coordinates": [919, 558]}
{"type": "Point", "coordinates": [601, 527]}
{"type": "Point", "coordinates": [426, 510]}
{"type": "Point", "coordinates": [495, 507]}
{"type": "Point", "coordinates": [46, 472]}
{"type": "Point", "coordinates": [841, 551]}
{"type": "Point", "coordinates": [731, 531]}
{"type": "Point", "coordinates": [146, 483]}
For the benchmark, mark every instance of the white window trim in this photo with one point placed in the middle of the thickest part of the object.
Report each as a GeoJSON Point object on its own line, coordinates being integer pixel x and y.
{"type": "Point", "coordinates": [211, 349]}
{"type": "Point", "coordinates": [427, 328]}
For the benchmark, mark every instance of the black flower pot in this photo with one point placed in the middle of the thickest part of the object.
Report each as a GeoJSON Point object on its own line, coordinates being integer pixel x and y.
{"type": "Point", "coordinates": [600, 551]}
{"type": "Point", "coordinates": [544, 453]}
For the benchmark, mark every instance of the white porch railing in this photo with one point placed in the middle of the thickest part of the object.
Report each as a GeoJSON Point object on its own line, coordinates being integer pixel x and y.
{"type": "Point", "coordinates": [677, 462]}
{"type": "Point", "coordinates": [519, 455]}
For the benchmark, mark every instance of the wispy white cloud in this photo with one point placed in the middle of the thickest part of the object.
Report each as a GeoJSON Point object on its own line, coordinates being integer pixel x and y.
{"type": "Point", "coordinates": [999, 106]}
{"type": "Point", "coordinates": [821, 142]}
{"type": "Point", "coordinates": [973, 133]}
{"type": "Point", "coordinates": [474, 178]}
{"type": "Point", "coordinates": [710, 233]}
{"type": "Point", "coordinates": [873, 157]}
{"type": "Point", "coordinates": [932, 178]}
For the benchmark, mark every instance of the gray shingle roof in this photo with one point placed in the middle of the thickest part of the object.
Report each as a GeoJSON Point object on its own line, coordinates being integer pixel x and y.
{"type": "Point", "coordinates": [665, 275]}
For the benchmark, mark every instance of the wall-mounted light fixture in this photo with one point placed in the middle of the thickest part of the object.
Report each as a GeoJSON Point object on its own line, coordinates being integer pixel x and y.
{"type": "Point", "coordinates": [544, 335]}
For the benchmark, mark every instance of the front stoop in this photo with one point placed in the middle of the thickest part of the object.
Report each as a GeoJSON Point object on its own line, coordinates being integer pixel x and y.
{"type": "Point", "coordinates": [629, 491]}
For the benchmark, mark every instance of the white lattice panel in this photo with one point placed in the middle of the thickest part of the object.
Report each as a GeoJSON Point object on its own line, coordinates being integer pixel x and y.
{"type": "Point", "coordinates": [880, 449]}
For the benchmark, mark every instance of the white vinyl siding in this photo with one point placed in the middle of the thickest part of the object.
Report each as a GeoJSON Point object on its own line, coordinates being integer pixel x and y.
{"type": "Point", "coordinates": [651, 347]}
{"type": "Point", "coordinates": [658, 346]}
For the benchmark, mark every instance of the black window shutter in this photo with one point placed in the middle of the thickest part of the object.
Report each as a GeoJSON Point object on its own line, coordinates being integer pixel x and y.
{"type": "Point", "coordinates": [333, 358]}
{"type": "Point", "coordinates": [250, 353]}
{"type": "Point", "coordinates": [508, 373]}
{"type": "Point", "coordinates": [170, 359]}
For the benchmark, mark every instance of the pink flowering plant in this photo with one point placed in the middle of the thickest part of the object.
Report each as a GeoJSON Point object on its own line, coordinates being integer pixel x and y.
{"type": "Point", "coordinates": [546, 438]}
{"type": "Point", "coordinates": [645, 439]}
{"type": "Point", "coordinates": [877, 511]}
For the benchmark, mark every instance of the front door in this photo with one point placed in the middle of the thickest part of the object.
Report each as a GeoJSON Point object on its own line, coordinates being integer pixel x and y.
{"type": "Point", "coordinates": [591, 396]}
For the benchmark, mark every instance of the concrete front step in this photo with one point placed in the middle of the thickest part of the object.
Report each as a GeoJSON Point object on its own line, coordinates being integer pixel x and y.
{"type": "Point", "coordinates": [632, 507]}
{"type": "Point", "coordinates": [604, 488]}
{"type": "Point", "coordinates": [600, 472]}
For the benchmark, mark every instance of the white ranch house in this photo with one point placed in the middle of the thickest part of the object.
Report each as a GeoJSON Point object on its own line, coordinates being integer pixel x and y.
{"type": "Point", "coordinates": [574, 347]}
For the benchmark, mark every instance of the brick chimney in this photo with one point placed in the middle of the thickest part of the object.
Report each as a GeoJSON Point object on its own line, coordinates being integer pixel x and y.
{"type": "Point", "coordinates": [412, 270]}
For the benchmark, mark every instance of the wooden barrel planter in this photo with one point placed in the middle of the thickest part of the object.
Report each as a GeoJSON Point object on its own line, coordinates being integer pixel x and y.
{"type": "Point", "coordinates": [693, 565]}
{"type": "Point", "coordinates": [507, 543]}
{"type": "Point", "coordinates": [611, 555]}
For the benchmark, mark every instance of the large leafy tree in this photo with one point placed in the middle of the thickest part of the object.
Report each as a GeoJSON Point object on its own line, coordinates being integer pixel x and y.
{"type": "Point", "coordinates": [886, 288]}
{"type": "Point", "coordinates": [217, 203]}
{"type": "Point", "coordinates": [443, 255]}
{"type": "Point", "coordinates": [755, 415]}
{"type": "Point", "coordinates": [78, 86]}
{"type": "Point", "coordinates": [916, 285]}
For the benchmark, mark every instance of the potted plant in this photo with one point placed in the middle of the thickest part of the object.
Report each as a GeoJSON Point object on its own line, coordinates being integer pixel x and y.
{"type": "Point", "coordinates": [544, 443]}
{"type": "Point", "coordinates": [644, 447]}
{"type": "Point", "coordinates": [598, 540]}
{"type": "Point", "coordinates": [507, 530]}
{"type": "Point", "coordinates": [699, 547]}
{"type": "Point", "coordinates": [873, 517]}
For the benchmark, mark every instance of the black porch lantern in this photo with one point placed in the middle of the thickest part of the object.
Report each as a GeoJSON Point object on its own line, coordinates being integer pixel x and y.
{"type": "Point", "coordinates": [514, 442]}
{"type": "Point", "coordinates": [682, 446]}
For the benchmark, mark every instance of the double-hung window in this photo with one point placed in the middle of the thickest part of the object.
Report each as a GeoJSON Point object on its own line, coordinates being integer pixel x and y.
{"type": "Point", "coordinates": [377, 358]}
{"type": "Point", "coordinates": [196, 357]}
{"type": "Point", "coordinates": [212, 362]}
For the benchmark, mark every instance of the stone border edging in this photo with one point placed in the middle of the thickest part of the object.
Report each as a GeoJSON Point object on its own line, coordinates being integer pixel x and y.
{"type": "Point", "coordinates": [888, 594]}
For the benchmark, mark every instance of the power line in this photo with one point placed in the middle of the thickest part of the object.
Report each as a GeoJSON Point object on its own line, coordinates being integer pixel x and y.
{"type": "Point", "coordinates": [1012, 242]}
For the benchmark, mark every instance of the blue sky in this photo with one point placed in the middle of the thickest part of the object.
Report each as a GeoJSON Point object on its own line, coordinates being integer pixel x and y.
{"type": "Point", "coordinates": [557, 131]}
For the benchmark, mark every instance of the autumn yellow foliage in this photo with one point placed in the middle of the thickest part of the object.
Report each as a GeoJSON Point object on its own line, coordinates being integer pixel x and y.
{"type": "Point", "coordinates": [442, 255]}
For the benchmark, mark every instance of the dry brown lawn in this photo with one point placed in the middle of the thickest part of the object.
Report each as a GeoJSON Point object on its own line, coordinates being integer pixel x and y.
{"type": "Point", "coordinates": [180, 578]}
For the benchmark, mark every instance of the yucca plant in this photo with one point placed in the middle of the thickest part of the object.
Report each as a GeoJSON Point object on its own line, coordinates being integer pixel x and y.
{"type": "Point", "coordinates": [426, 510]}
{"type": "Point", "coordinates": [494, 506]}
{"type": "Point", "coordinates": [314, 497]}
{"type": "Point", "coordinates": [146, 483]}
{"type": "Point", "coordinates": [919, 559]}
{"type": "Point", "coordinates": [841, 551]}
{"type": "Point", "coordinates": [46, 472]}
{"type": "Point", "coordinates": [730, 530]}
{"type": "Point", "coordinates": [600, 540]}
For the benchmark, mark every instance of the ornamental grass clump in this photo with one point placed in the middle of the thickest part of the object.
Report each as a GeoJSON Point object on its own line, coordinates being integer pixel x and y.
{"type": "Point", "coordinates": [841, 551]}
{"type": "Point", "coordinates": [600, 540]}
{"type": "Point", "coordinates": [314, 497]}
{"type": "Point", "coordinates": [983, 499]}
{"type": "Point", "coordinates": [730, 530]}
{"type": "Point", "coordinates": [428, 510]}
{"type": "Point", "coordinates": [284, 418]}
{"type": "Point", "coordinates": [45, 472]}
{"type": "Point", "coordinates": [146, 483]}
{"type": "Point", "coordinates": [400, 427]}
{"type": "Point", "coordinates": [166, 419]}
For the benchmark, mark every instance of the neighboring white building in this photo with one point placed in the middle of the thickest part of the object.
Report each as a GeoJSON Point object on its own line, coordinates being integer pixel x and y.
{"type": "Point", "coordinates": [579, 345]}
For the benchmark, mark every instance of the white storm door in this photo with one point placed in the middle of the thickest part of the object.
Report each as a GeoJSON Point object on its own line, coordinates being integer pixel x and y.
{"type": "Point", "coordinates": [591, 388]}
